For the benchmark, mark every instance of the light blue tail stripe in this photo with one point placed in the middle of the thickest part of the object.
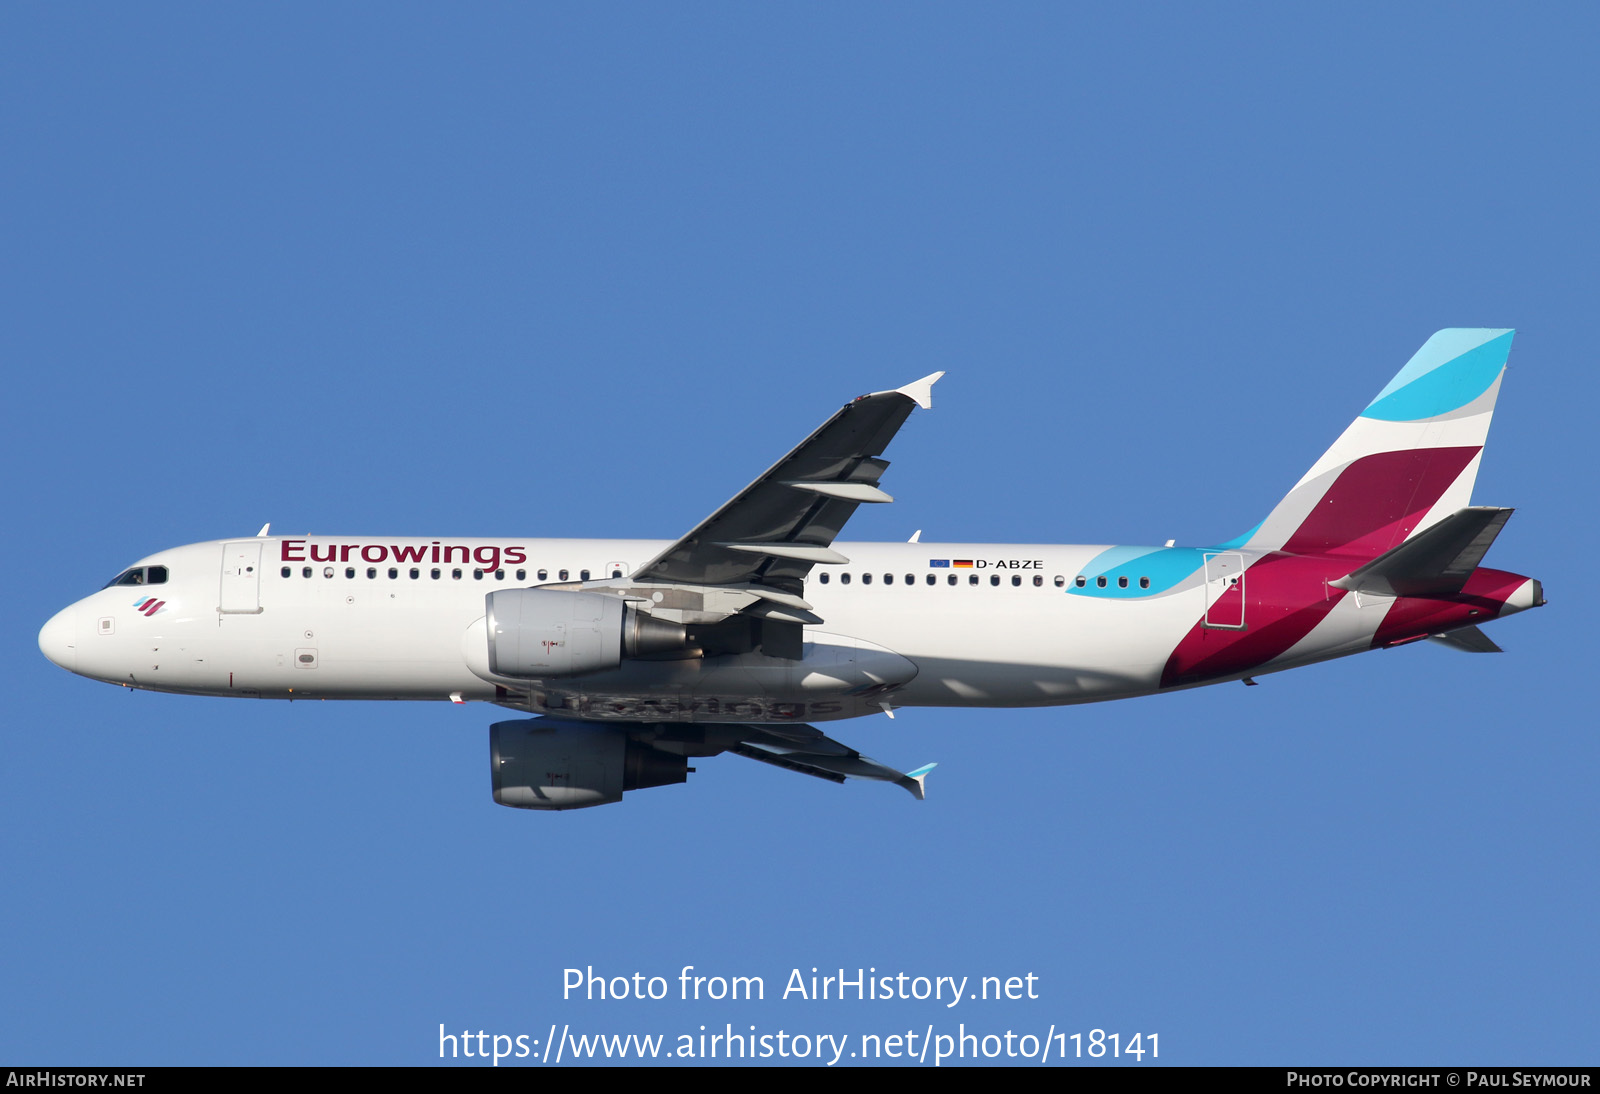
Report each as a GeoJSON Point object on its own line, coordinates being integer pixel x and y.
{"type": "Point", "coordinates": [1453, 368]}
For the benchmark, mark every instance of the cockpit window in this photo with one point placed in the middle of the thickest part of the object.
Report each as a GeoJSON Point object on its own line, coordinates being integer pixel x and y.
{"type": "Point", "coordinates": [139, 575]}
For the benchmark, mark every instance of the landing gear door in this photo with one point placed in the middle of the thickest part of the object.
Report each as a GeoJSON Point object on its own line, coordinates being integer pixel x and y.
{"type": "Point", "coordinates": [241, 578]}
{"type": "Point", "coordinates": [1225, 590]}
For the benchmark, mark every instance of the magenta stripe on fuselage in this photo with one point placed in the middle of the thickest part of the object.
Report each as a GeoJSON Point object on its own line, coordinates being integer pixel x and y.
{"type": "Point", "coordinates": [1285, 596]}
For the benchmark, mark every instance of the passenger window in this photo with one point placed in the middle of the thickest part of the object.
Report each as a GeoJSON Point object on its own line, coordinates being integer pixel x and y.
{"type": "Point", "coordinates": [349, 571]}
{"type": "Point", "coordinates": [1038, 580]}
{"type": "Point", "coordinates": [393, 573]}
{"type": "Point", "coordinates": [932, 580]}
{"type": "Point", "coordinates": [823, 577]}
{"type": "Point", "coordinates": [866, 579]}
{"type": "Point", "coordinates": [994, 579]}
{"type": "Point", "coordinates": [972, 579]}
{"type": "Point", "coordinates": [583, 575]}
{"type": "Point", "coordinates": [372, 571]}
{"type": "Point", "coordinates": [1081, 581]}
{"type": "Point", "coordinates": [844, 579]}
{"type": "Point", "coordinates": [1144, 583]}
{"type": "Point", "coordinates": [305, 571]}
{"type": "Point", "coordinates": [888, 579]}
{"type": "Point", "coordinates": [456, 573]}
{"type": "Point", "coordinates": [911, 579]}
{"type": "Point", "coordinates": [544, 575]}
{"type": "Point", "coordinates": [327, 571]}
{"type": "Point", "coordinates": [562, 575]}
{"type": "Point", "coordinates": [1016, 581]}
{"type": "Point", "coordinates": [1100, 582]}
{"type": "Point", "coordinates": [951, 580]}
{"type": "Point", "coordinates": [286, 571]}
{"type": "Point", "coordinates": [434, 573]}
{"type": "Point", "coordinates": [616, 573]}
{"type": "Point", "coordinates": [1122, 582]}
{"type": "Point", "coordinates": [415, 573]}
{"type": "Point", "coordinates": [477, 575]}
{"type": "Point", "coordinates": [1060, 581]}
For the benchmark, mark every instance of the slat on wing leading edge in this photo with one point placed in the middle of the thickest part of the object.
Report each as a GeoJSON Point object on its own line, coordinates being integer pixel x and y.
{"type": "Point", "coordinates": [774, 530]}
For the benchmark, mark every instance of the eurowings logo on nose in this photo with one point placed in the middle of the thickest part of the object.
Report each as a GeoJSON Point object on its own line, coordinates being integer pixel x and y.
{"type": "Point", "coordinates": [149, 606]}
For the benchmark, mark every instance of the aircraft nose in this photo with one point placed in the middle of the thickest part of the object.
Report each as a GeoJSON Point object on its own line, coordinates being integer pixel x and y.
{"type": "Point", "coordinates": [58, 639]}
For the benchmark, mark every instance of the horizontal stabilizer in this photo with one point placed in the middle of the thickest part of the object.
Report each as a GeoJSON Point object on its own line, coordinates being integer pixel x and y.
{"type": "Point", "coordinates": [1467, 640]}
{"type": "Point", "coordinates": [1434, 562]}
{"type": "Point", "coordinates": [809, 751]}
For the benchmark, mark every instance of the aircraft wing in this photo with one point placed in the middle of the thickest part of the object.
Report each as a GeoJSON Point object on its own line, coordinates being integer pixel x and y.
{"type": "Point", "coordinates": [808, 750]}
{"type": "Point", "coordinates": [774, 530]}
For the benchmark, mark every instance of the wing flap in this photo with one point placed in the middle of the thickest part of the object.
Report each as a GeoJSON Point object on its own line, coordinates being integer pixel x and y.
{"type": "Point", "coordinates": [849, 491]}
{"type": "Point", "coordinates": [773, 531]}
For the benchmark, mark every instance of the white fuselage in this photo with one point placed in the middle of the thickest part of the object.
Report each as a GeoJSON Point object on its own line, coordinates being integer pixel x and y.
{"type": "Point", "coordinates": [902, 624]}
{"type": "Point", "coordinates": [344, 618]}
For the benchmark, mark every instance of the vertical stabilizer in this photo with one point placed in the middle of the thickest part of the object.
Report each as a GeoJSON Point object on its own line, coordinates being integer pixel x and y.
{"type": "Point", "coordinates": [1406, 463]}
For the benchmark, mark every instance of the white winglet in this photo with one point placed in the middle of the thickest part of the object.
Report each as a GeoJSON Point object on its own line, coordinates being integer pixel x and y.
{"type": "Point", "coordinates": [914, 780]}
{"type": "Point", "coordinates": [916, 537]}
{"type": "Point", "coordinates": [261, 534]}
{"type": "Point", "coordinates": [921, 391]}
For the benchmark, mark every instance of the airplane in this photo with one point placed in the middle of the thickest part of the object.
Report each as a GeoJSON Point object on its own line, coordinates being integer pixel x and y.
{"type": "Point", "coordinates": [634, 657]}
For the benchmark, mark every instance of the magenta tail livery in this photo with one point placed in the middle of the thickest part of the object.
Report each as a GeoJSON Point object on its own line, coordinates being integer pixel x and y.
{"type": "Point", "coordinates": [635, 656]}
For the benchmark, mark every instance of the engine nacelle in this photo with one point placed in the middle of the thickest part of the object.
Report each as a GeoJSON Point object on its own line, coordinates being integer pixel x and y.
{"type": "Point", "coordinates": [546, 763]}
{"type": "Point", "coordinates": [536, 633]}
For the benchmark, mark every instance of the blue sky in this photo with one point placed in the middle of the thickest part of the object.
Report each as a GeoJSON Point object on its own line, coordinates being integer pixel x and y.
{"type": "Point", "coordinates": [544, 270]}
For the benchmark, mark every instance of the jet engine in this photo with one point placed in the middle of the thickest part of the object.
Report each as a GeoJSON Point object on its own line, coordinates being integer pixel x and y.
{"type": "Point", "coordinates": [545, 763]}
{"type": "Point", "coordinates": [538, 633]}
